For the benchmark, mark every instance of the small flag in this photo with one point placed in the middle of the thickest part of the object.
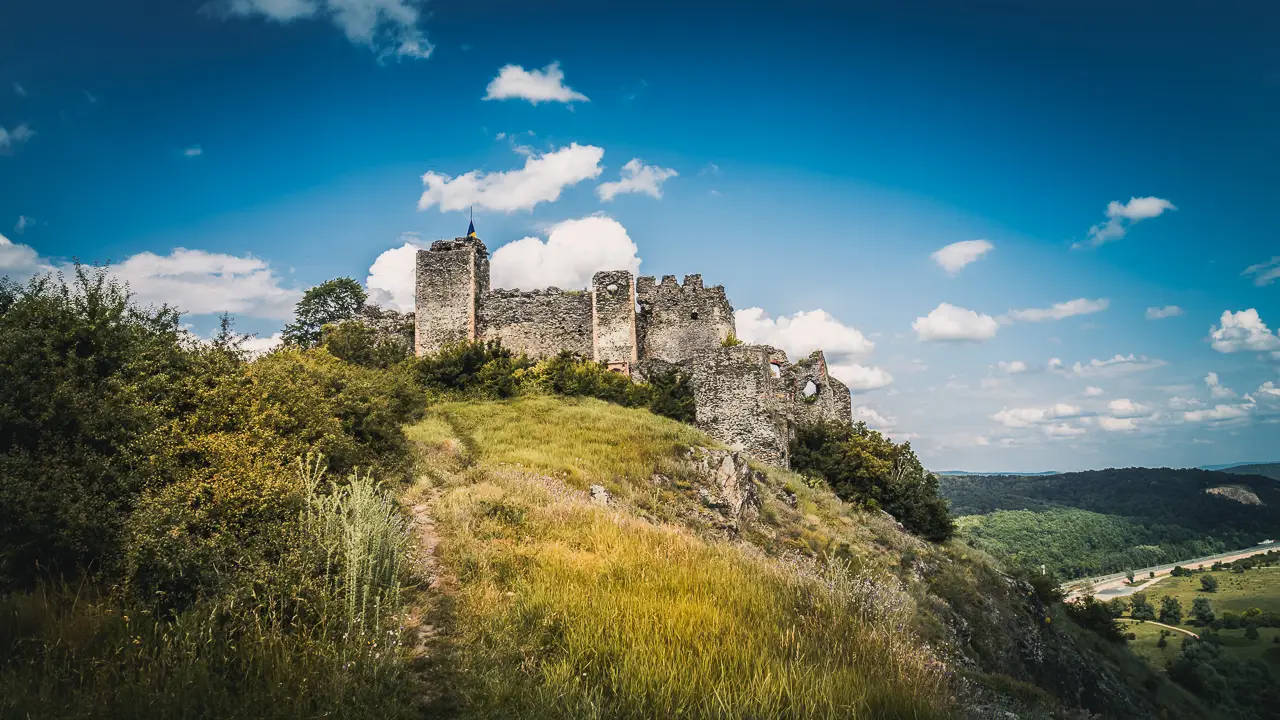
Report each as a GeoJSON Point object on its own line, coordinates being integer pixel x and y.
{"type": "Point", "coordinates": [471, 229]}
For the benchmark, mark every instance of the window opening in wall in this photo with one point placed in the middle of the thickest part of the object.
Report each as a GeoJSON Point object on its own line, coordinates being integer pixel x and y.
{"type": "Point", "coordinates": [693, 316]}
{"type": "Point", "coordinates": [611, 287]}
{"type": "Point", "coordinates": [810, 389]}
{"type": "Point", "coordinates": [775, 369]}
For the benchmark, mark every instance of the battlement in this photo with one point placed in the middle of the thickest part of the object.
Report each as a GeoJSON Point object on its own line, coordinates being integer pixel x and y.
{"type": "Point", "coordinates": [748, 396]}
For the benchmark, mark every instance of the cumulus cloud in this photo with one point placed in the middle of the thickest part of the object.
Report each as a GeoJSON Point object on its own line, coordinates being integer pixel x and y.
{"type": "Point", "coordinates": [573, 251]}
{"type": "Point", "coordinates": [1118, 365]}
{"type": "Point", "coordinates": [391, 277]}
{"type": "Point", "coordinates": [193, 151]}
{"type": "Point", "coordinates": [1242, 331]}
{"type": "Point", "coordinates": [1264, 273]}
{"type": "Point", "coordinates": [1079, 306]}
{"type": "Point", "coordinates": [637, 178]}
{"type": "Point", "coordinates": [802, 333]}
{"type": "Point", "coordinates": [542, 179]}
{"type": "Point", "coordinates": [1117, 424]}
{"type": "Point", "coordinates": [392, 28]}
{"type": "Point", "coordinates": [536, 86]}
{"type": "Point", "coordinates": [1062, 430]}
{"type": "Point", "coordinates": [958, 254]}
{"type": "Point", "coordinates": [1121, 216]}
{"type": "Point", "coordinates": [1168, 311]}
{"type": "Point", "coordinates": [11, 139]}
{"type": "Point", "coordinates": [19, 261]}
{"type": "Point", "coordinates": [860, 378]}
{"type": "Point", "coordinates": [1011, 368]}
{"type": "Point", "coordinates": [1216, 388]}
{"type": "Point", "coordinates": [1221, 412]}
{"type": "Point", "coordinates": [201, 282]}
{"type": "Point", "coordinates": [873, 419]}
{"type": "Point", "coordinates": [1029, 416]}
{"type": "Point", "coordinates": [1126, 408]}
{"type": "Point", "coordinates": [257, 346]}
{"type": "Point", "coordinates": [949, 323]}
{"type": "Point", "coordinates": [1092, 391]}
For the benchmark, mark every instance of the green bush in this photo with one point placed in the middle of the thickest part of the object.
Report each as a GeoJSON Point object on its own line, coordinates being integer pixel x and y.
{"type": "Point", "coordinates": [863, 466]}
{"type": "Point", "coordinates": [1092, 614]}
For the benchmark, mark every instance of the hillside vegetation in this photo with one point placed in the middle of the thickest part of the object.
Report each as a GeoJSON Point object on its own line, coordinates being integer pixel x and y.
{"type": "Point", "coordinates": [337, 529]}
{"type": "Point", "coordinates": [1089, 523]}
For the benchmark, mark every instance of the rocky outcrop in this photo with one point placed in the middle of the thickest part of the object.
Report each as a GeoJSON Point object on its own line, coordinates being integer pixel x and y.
{"type": "Point", "coordinates": [727, 484]}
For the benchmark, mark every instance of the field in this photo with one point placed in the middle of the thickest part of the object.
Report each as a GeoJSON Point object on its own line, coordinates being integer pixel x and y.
{"type": "Point", "coordinates": [1257, 588]}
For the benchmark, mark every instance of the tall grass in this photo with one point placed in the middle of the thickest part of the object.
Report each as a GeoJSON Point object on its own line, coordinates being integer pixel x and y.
{"type": "Point", "coordinates": [289, 644]}
{"type": "Point", "coordinates": [565, 609]}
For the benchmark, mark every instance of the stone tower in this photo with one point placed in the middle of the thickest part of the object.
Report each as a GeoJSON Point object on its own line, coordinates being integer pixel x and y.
{"type": "Point", "coordinates": [452, 277]}
{"type": "Point", "coordinates": [613, 320]}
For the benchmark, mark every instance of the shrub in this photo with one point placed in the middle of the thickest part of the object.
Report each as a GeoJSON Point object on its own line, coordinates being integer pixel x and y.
{"type": "Point", "coordinates": [1170, 610]}
{"type": "Point", "coordinates": [1202, 610]}
{"type": "Point", "coordinates": [457, 367]}
{"type": "Point", "coordinates": [361, 344]}
{"type": "Point", "coordinates": [1209, 583]}
{"type": "Point", "coordinates": [1140, 608]}
{"type": "Point", "coordinates": [1092, 614]}
{"type": "Point", "coordinates": [863, 466]}
{"type": "Point", "coordinates": [730, 341]}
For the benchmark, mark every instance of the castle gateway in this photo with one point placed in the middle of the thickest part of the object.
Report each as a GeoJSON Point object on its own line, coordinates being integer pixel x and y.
{"type": "Point", "coordinates": [749, 397]}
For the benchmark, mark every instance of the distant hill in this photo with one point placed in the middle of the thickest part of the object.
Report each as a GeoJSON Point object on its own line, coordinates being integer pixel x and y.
{"type": "Point", "coordinates": [1110, 520]}
{"type": "Point", "coordinates": [1267, 470]}
{"type": "Point", "coordinates": [995, 474]}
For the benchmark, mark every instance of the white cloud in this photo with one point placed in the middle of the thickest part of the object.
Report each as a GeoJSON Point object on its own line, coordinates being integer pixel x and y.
{"type": "Point", "coordinates": [573, 252]}
{"type": "Point", "coordinates": [1079, 306]}
{"type": "Point", "coordinates": [1063, 430]}
{"type": "Point", "coordinates": [536, 86]}
{"type": "Point", "coordinates": [391, 277]}
{"type": "Point", "coordinates": [1264, 273]}
{"type": "Point", "coordinates": [1092, 391]}
{"type": "Point", "coordinates": [873, 419]}
{"type": "Point", "coordinates": [802, 333]}
{"type": "Point", "coordinates": [1026, 417]}
{"type": "Point", "coordinates": [201, 283]}
{"type": "Point", "coordinates": [24, 222]}
{"type": "Point", "coordinates": [1242, 331]}
{"type": "Point", "coordinates": [1120, 216]}
{"type": "Point", "coordinates": [11, 139]}
{"type": "Point", "coordinates": [1117, 365]}
{"type": "Point", "coordinates": [19, 261]}
{"type": "Point", "coordinates": [953, 324]}
{"type": "Point", "coordinates": [1219, 413]}
{"type": "Point", "coordinates": [542, 179]}
{"type": "Point", "coordinates": [860, 378]}
{"type": "Point", "coordinates": [1168, 311]}
{"type": "Point", "coordinates": [637, 178]}
{"type": "Point", "coordinates": [257, 346]}
{"type": "Point", "coordinates": [1117, 424]}
{"type": "Point", "coordinates": [1268, 389]}
{"type": "Point", "coordinates": [1216, 389]}
{"type": "Point", "coordinates": [1179, 403]}
{"type": "Point", "coordinates": [958, 254]}
{"type": "Point", "coordinates": [193, 151]}
{"type": "Point", "coordinates": [1011, 368]}
{"type": "Point", "coordinates": [389, 27]}
{"type": "Point", "coordinates": [1126, 408]}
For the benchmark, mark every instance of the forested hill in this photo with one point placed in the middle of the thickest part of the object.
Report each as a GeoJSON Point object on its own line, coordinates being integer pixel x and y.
{"type": "Point", "coordinates": [1110, 520]}
{"type": "Point", "coordinates": [1268, 470]}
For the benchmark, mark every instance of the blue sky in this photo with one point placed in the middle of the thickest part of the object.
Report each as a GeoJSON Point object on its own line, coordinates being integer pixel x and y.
{"type": "Point", "coordinates": [809, 156]}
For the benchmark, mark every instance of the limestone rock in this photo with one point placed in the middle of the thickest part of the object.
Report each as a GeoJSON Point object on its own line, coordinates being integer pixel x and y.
{"type": "Point", "coordinates": [599, 495]}
{"type": "Point", "coordinates": [728, 484]}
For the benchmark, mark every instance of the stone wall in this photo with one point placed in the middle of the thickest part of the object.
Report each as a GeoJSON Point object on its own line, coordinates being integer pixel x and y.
{"type": "Point", "coordinates": [450, 279]}
{"type": "Point", "coordinates": [678, 323]}
{"type": "Point", "coordinates": [539, 323]}
{"type": "Point", "coordinates": [830, 400]}
{"type": "Point", "coordinates": [613, 315]}
{"type": "Point", "coordinates": [740, 402]}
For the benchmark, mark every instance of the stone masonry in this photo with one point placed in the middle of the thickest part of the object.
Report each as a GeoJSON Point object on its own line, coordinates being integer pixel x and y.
{"type": "Point", "coordinates": [749, 397]}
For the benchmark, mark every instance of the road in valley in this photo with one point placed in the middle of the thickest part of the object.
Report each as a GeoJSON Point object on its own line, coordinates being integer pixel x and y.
{"type": "Point", "coordinates": [1113, 586]}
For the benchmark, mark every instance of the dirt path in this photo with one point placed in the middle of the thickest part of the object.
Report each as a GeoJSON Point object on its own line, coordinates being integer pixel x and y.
{"type": "Point", "coordinates": [430, 608]}
{"type": "Point", "coordinates": [1171, 627]}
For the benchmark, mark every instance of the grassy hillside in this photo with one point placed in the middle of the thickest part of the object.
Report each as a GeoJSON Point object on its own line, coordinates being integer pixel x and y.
{"type": "Point", "coordinates": [655, 603]}
{"type": "Point", "coordinates": [1111, 520]}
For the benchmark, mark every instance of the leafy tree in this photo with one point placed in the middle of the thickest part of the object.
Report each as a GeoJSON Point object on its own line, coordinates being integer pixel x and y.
{"type": "Point", "coordinates": [1209, 583]}
{"type": "Point", "coordinates": [331, 301]}
{"type": "Point", "coordinates": [1250, 631]}
{"type": "Point", "coordinates": [1140, 607]}
{"type": "Point", "coordinates": [1202, 610]}
{"type": "Point", "coordinates": [863, 466]}
{"type": "Point", "coordinates": [1093, 614]}
{"type": "Point", "coordinates": [1129, 576]}
{"type": "Point", "coordinates": [1117, 606]}
{"type": "Point", "coordinates": [1170, 610]}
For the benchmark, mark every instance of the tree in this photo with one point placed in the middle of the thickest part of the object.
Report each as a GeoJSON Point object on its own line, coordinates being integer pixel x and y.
{"type": "Point", "coordinates": [1170, 610]}
{"type": "Point", "coordinates": [1202, 610]}
{"type": "Point", "coordinates": [1209, 583]}
{"type": "Point", "coordinates": [1140, 607]}
{"type": "Point", "coordinates": [1250, 632]}
{"type": "Point", "coordinates": [1117, 606]}
{"type": "Point", "coordinates": [329, 302]}
{"type": "Point", "coordinates": [1129, 576]}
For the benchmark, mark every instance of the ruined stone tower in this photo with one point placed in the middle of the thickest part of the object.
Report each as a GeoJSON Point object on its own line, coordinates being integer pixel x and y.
{"type": "Point", "coordinates": [750, 397]}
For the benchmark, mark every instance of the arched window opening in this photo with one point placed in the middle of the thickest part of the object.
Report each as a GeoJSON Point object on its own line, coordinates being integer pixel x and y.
{"type": "Point", "coordinates": [810, 390]}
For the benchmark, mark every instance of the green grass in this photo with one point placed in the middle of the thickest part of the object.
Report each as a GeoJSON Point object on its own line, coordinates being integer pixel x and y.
{"type": "Point", "coordinates": [1236, 592]}
{"type": "Point", "coordinates": [564, 608]}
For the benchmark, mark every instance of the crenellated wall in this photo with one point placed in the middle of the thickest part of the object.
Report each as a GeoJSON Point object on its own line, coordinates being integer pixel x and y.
{"type": "Point", "coordinates": [679, 322]}
{"type": "Point", "coordinates": [749, 397]}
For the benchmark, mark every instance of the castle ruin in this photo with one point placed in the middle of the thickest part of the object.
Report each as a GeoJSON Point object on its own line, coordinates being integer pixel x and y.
{"type": "Point", "coordinates": [749, 397]}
